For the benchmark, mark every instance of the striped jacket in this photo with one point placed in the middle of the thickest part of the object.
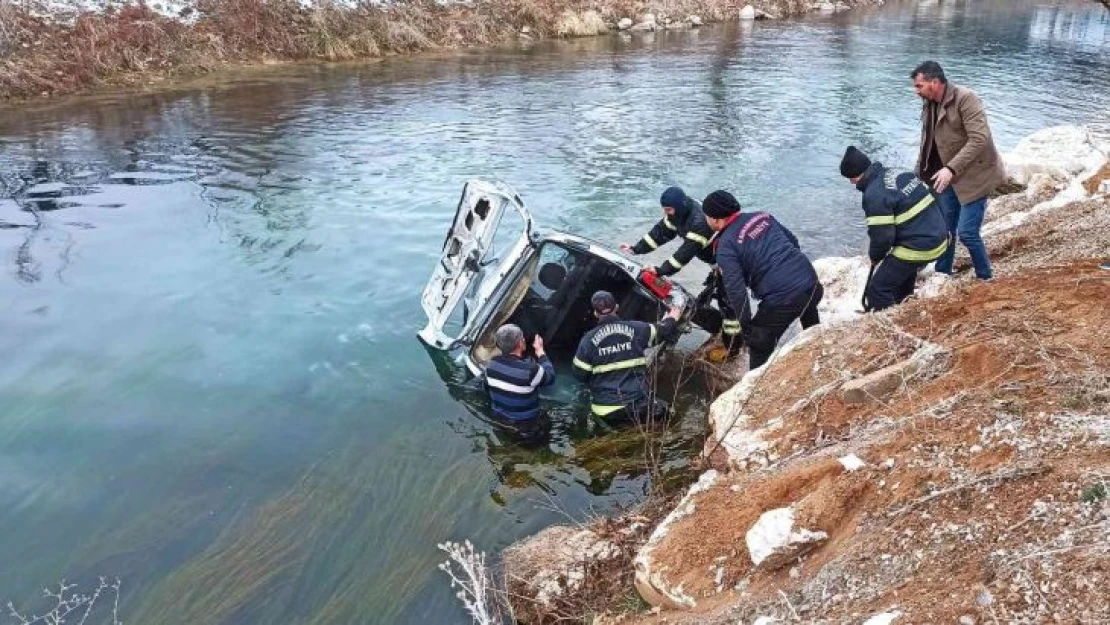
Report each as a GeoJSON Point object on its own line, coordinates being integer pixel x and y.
{"type": "Point", "coordinates": [513, 384]}
{"type": "Point", "coordinates": [690, 225]}
{"type": "Point", "coordinates": [903, 217]}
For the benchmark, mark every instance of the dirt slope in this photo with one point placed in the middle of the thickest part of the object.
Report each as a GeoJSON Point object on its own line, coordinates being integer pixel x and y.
{"type": "Point", "coordinates": [985, 481]}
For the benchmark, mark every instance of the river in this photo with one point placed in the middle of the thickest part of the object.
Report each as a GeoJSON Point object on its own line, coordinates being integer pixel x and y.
{"type": "Point", "coordinates": [211, 386]}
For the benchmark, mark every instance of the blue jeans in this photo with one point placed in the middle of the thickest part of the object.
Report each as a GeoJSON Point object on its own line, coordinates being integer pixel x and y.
{"type": "Point", "coordinates": [964, 222]}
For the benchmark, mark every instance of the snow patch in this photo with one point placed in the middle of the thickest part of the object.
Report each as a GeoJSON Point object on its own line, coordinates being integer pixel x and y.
{"type": "Point", "coordinates": [774, 534]}
{"type": "Point", "coordinates": [852, 462]}
{"type": "Point", "coordinates": [1064, 151]}
{"type": "Point", "coordinates": [884, 618]}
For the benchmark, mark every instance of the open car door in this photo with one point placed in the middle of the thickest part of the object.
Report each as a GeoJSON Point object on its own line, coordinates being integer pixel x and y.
{"type": "Point", "coordinates": [483, 244]}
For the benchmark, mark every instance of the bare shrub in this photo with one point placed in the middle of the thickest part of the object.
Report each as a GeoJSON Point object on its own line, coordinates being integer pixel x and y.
{"type": "Point", "coordinates": [68, 600]}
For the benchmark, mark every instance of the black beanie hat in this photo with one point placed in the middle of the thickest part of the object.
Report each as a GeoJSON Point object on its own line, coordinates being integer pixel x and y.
{"type": "Point", "coordinates": [854, 163]}
{"type": "Point", "coordinates": [720, 205]}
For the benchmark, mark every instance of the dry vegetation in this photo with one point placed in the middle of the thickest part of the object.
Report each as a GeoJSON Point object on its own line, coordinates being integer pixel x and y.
{"type": "Point", "coordinates": [45, 53]}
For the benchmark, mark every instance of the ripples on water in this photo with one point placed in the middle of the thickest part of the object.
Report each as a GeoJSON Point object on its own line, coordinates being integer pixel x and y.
{"type": "Point", "coordinates": [211, 385]}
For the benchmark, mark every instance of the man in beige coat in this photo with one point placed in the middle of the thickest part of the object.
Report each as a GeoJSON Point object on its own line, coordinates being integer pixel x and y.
{"type": "Point", "coordinates": [959, 159]}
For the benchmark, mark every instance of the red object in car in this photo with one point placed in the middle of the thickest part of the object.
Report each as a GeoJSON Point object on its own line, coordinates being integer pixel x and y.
{"type": "Point", "coordinates": [658, 284]}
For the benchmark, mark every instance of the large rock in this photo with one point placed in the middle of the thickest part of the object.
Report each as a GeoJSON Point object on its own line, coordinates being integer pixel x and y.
{"type": "Point", "coordinates": [694, 21]}
{"type": "Point", "coordinates": [651, 576]}
{"type": "Point", "coordinates": [747, 13]}
{"type": "Point", "coordinates": [1060, 151]}
{"type": "Point", "coordinates": [880, 385]}
{"type": "Point", "coordinates": [624, 24]}
{"type": "Point", "coordinates": [774, 541]}
{"type": "Point", "coordinates": [544, 567]}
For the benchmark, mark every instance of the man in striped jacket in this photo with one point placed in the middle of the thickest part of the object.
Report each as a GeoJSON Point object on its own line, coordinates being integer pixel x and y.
{"type": "Point", "coordinates": [904, 222]}
{"type": "Point", "coordinates": [513, 381]}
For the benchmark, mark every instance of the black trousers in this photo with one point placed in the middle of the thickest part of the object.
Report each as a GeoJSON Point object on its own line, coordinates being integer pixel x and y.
{"type": "Point", "coordinates": [894, 281]}
{"type": "Point", "coordinates": [770, 322]}
{"type": "Point", "coordinates": [731, 335]}
{"type": "Point", "coordinates": [643, 412]}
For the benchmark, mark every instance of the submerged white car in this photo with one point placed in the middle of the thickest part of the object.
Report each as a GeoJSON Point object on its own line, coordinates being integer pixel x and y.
{"type": "Point", "coordinates": [495, 269]}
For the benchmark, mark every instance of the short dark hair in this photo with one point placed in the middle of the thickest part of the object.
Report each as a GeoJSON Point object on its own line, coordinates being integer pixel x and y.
{"type": "Point", "coordinates": [931, 70]}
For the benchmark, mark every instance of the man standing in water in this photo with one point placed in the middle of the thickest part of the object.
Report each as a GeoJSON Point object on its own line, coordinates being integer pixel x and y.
{"type": "Point", "coordinates": [958, 157]}
{"type": "Point", "coordinates": [513, 381]}
{"type": "Point", "coordinates": [611, 360]}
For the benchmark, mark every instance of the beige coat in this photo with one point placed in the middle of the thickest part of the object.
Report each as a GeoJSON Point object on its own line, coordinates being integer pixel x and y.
{"type": "Point", "coordinates": [964, 141]}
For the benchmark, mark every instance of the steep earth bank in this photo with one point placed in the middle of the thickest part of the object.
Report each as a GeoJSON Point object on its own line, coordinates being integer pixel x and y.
{"type": "Point", "coordinates": [945, 461]}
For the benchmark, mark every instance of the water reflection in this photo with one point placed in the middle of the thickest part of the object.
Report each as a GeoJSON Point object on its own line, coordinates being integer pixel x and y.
{"type": "Point", "coordinates": [586, 451]}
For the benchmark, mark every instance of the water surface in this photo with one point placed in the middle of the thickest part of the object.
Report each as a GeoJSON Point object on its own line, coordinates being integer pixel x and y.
{"type": "Point", "coordinates": [211, 385]}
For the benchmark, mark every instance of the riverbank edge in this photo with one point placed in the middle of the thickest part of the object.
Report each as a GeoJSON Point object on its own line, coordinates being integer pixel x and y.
{"type": "Point", "coordinates": [49, 53]}
{"type": "Point", "coordinates": [1062, 179]}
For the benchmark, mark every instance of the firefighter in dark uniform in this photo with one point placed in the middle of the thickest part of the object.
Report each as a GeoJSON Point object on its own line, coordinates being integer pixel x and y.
{"type": "Point", "coordinates": [611, 361]}
{"type": "Point", "coordinates": [905, 224]}
{"type": "Point", "coordinates": [754, 251]}
{"type": "Point", "coordinates": [683, 218]}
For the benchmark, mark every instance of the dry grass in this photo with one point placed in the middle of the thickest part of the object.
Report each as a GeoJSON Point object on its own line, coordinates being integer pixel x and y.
{"type": "Point", "coordinates": [131, 44]}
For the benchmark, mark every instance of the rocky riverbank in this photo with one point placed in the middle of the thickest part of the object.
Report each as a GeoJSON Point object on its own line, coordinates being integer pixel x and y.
{"type": "Point", "coordinates": [52, 48]}
{"type": "Point", "coordinates": [943, 461]}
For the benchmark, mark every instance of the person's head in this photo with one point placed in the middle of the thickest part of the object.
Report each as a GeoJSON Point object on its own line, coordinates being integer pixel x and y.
{"type": "Point", "coordinates": [854, 164]}
{"type": "Point", "coordinates": [509, 339]}
{"type": "Point", "coordinates": [552, 276]}
{"type": "Point", "coordinates": [673, 202]}
{"type": "Point", "coordinates": [929, 81]}
{"type": "Point", "coordinates": [604, 303]}
{"type": "Point", "coordinates": [718, 207]}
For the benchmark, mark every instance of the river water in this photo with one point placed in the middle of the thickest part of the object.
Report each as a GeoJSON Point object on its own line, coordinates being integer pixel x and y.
{"type": "Point", "coordinates": [210, 384]}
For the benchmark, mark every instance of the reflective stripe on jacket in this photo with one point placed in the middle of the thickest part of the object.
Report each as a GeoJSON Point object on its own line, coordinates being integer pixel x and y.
{"type": "Point", "coordinates": [690, 225]}
{"type": "Point", "coordinates": [611, 360]}
{"type": "Point", "coordinates": [903, 216]}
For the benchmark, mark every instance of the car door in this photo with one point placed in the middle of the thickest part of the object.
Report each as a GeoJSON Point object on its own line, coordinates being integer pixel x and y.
{"type": "Point", "coordinates": [490, 234]}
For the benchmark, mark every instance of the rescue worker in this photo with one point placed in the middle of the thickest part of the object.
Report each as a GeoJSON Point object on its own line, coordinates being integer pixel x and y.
{"type": "Point", "coordinates": [611, 361]}
{"type": "Point", "coordinates": [905, 223]}
{"type": "Point", "coordinates": [513, 382]}
{"type": "Point", "coordinates": [683, 218]}
{"type": "Point", "coordinates": [754, 251]}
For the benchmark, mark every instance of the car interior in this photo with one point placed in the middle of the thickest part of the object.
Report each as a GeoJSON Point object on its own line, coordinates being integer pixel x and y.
{"type": "Point", "coordinates": [552, 299]}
